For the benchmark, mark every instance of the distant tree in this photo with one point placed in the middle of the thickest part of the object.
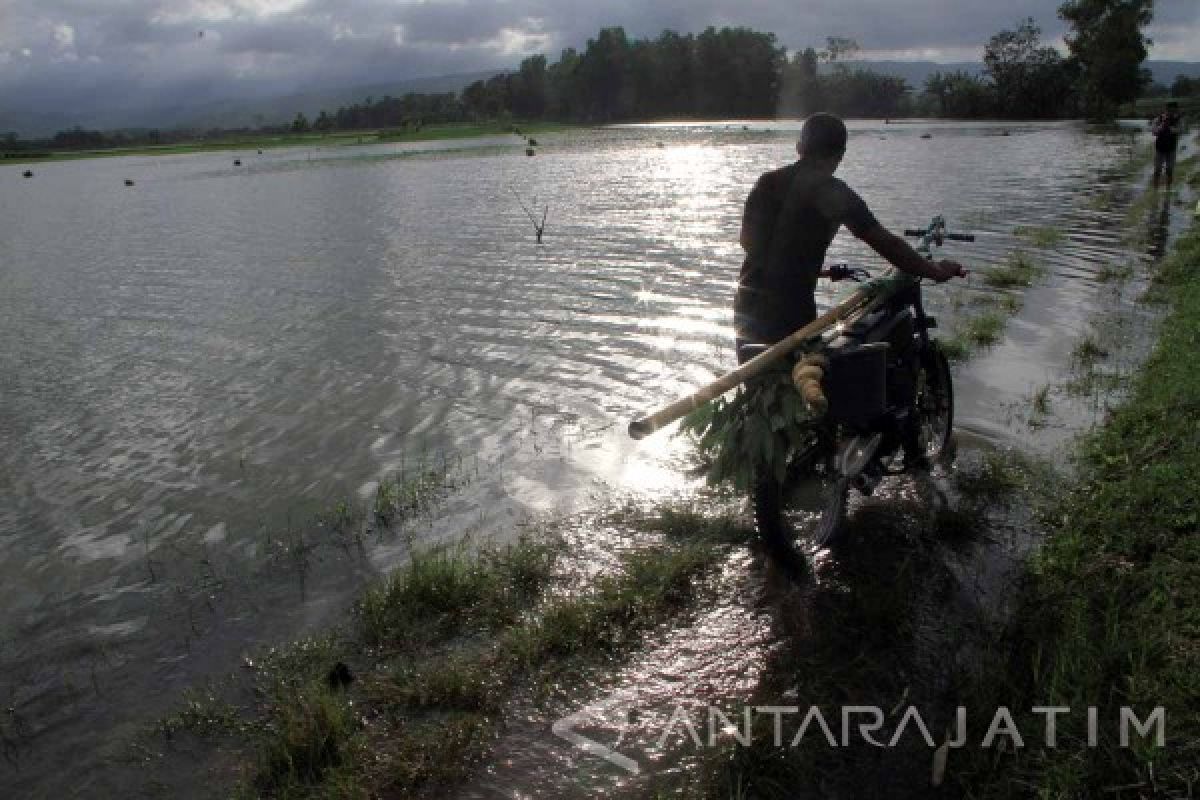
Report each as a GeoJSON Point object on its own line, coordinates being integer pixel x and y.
{"type": "Point", "coordinates": [1029, 80]}
{"type": "Point", "coordinates": [77, 137]}
{"type": "Point", "coordinates": [838, 47]}
{"type": "Point", "coordinates": [1108, 45]}
{"type": "Point", "coordinates": [641, 79]}
{"type": "Point", "coordinates": [1155, 89]}
{"type": "Point", "coordinates": [673, 85]}
{"type": "Point", "coordinates": [528, 89]}
{"type": "Point", "coordinates": [801, 89]}
{"type": "Point", "coordinates": [864, 93]}
{"type": "Point", "coordinates": [937, 85]}
{"type": "Point", "coordinates": [562, 100]}
{"type": "Point", "coordinates": [961, 94]}
{"type": "Point", "coordinates": [1183, 86]}
{"type": "Point", "coordinates": [483, 99]}
{"type": "Point", "coordinates": [300, 123]}
{"type": "Point", "coordinates": [601, 82]}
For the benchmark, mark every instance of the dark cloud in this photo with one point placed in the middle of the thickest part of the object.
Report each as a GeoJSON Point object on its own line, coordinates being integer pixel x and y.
{"type": "Point", "coordinates": [463, 23]}
{"type": "Point", "coordinates": [109, 50]}
{"type": "Point", "coordinates": [294, 36]}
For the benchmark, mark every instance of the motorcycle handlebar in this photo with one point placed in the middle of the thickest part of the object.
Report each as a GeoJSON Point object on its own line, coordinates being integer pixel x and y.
{"type": "Point", "coordinates": [957, 237]}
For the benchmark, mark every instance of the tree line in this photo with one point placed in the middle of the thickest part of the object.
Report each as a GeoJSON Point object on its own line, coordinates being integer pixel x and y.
{"type": "Point", "coordinates": [742, 73]}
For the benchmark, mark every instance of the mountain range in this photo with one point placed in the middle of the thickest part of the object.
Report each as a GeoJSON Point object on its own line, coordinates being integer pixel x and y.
{"type": "Point", "coordinates": [254, 106]}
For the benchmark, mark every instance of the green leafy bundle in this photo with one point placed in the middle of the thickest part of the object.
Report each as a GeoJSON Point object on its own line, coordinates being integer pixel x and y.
{"type": "Point", "coordinates": [757, 428]}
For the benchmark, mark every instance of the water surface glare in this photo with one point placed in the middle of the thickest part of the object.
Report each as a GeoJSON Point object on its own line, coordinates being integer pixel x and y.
{"type": "Point", "coordinates": [193, 365]}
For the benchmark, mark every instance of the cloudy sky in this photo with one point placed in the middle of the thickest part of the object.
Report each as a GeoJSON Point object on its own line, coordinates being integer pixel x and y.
{"type": "Point", "coordinates": [56, 50]}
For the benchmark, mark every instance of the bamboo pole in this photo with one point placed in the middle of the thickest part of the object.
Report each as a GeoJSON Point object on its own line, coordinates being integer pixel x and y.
{"type": "Point", "coordinates": [644, 426]}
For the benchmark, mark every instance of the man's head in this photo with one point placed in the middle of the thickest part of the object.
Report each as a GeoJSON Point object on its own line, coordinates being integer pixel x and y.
{"type": "Point", "coordinates": [822, 140]}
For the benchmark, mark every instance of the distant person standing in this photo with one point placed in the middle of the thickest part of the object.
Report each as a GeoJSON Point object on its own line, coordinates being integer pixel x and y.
{"type": "Point", "coordinates": [1165, 128]}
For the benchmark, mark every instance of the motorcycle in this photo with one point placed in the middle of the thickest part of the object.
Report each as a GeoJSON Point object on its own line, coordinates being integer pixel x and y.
{"type": "Point", "coordinates": [889, 410]}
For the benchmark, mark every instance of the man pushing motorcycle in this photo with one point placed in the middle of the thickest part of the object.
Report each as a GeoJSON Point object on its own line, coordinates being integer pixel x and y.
{"type": "Point", "coordinates": [874, 385]}
{"type": "Point", "coordinates": [791, 217]}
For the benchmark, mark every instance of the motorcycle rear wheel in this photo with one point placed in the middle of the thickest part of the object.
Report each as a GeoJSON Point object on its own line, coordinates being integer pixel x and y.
{"type": "Point", "coordinates": [806, 509]}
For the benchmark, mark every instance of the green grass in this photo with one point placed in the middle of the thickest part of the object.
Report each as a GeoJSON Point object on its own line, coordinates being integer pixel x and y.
{"type": "Point", "coordinates": [1018, 272]}
{"type": "Point", "coordinates": [978, 331]}
{"type": "Point", "coordinates": [436, 132]}
{"type": "Point", "coordinates": [399, 498]}
{"type": "Point", "coordinates": [688, 522]}
{"type": "Point", "coordinates": [1010, 303]}
{"type": "Point", "coordinates": [956, 348]}
{"type": "Point", "coordinates": [997, 475]}
{"type": "Point", "coordinates": [983, 330]}
{"type": "Point", "coordinates": [231, 143]}
{"type": "Point", "coordinates": [1092, 382]}
{"type": "Point", "coordinates": [1108, 616]}
{"type": "Point", "coordinates": [437, 650]}
{"type": "Point", "coordinates": [204, 713]}
{"type": "Point", "coordinates": [343, 517]}
{"type": "Point", "coordinates": [1101, 201]}
{"type": "Point", "coordinates": [313, 733]}
{"type": "Point", "coordinates": [1148, 107]}
{"type": "Point", "coordinates": [1041, 401]}
{"type": "Point", "coordinates": [441, 591]}
{"type": "Point", "coordinates": [1114, 273]}
{"type": "Point", "coordinates": [1040, 235]}
{"type": "Point", "coordinates": [249, 142]}
{"type": "Point", "coordinates": [1087, 379]}
{"type": "Point", "coordinates": [1087, 352]}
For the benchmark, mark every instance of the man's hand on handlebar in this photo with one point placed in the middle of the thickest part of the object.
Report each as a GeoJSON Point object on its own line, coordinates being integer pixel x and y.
{"type": "Point", "coordinates": [944, 270]}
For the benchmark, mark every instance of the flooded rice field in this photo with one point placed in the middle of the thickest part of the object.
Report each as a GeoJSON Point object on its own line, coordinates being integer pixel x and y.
{"type": "Point", "coordinates": [197, 367]}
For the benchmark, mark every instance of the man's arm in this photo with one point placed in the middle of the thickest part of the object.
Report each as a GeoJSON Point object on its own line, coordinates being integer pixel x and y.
{"type": "Point", "coordinates": [858, 219]}
{"type": "Point", "coordinates": [901, 255]}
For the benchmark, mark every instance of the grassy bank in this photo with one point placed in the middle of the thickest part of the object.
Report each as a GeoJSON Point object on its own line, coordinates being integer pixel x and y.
{"type": "Point", "coordinates": [1147, 107]}
{"type": "Point", "coordinates": [407, 702]}
{"type": "Point", "coordinates": [1110, 616]}
{"type": "Point", "coordinates": [244, 142]}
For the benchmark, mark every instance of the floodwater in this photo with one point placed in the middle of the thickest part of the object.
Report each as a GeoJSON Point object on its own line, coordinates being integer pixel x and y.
{"type": "Point", "coordinates": [194, 365]}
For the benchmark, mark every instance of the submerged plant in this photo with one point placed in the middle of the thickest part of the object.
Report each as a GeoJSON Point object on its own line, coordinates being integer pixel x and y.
{"type": "Point", "coordinates": [401, 497]}
{"type": "Point", "coordinates": [1019, 271]}
{"type": "Point", "coordinates": [1040, 235]}
{"type": "Point", "coordinates": [984, 329]}
{"type": "Point", "coordinates": [956, 348]}
{"type": "Point", "coordinates": [1110, 273]}
{"type": "Point", "coordinates": [1041, 401]}
{"type": "Point", "coordinates": [1010, 303]}
{"type": "Point", "coordinates": [1087, 352]}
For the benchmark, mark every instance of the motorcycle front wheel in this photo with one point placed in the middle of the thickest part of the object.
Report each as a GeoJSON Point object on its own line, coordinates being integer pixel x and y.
{"type": "Point", "coordinates": [935, 403]}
